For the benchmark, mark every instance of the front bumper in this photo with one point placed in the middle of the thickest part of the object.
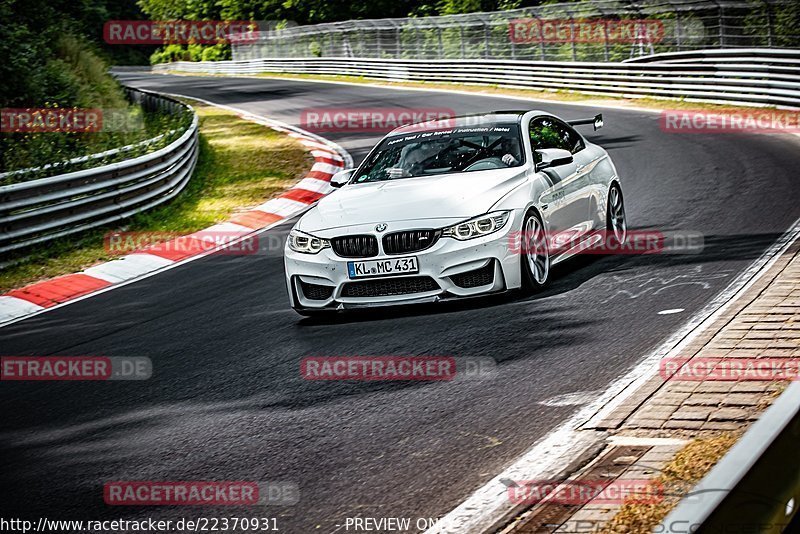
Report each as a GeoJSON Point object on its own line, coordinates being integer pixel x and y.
{"type": "Point", "coordinates": [448, 269]}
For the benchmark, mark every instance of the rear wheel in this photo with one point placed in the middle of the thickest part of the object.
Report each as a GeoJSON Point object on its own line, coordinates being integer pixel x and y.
{"type": "Point", "coordinates": [534, 252]}
{"type": "Point", "coordinates": [616, 224]}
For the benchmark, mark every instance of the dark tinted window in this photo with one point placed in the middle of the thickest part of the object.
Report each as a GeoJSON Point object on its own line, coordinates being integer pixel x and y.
{"type": "Point", "coordinates": [547, 132]}
{"type": "Point", "coordinates": [426, 153]}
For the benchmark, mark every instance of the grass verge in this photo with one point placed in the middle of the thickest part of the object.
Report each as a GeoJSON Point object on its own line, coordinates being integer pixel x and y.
{"type": "Point", "coordinates": [241, 164]}
{"type": "Point", "coordinates": [690, 465]}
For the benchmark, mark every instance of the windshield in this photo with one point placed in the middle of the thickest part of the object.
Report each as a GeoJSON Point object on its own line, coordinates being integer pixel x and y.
{"type": "Point", "coordinates": [456, 150]}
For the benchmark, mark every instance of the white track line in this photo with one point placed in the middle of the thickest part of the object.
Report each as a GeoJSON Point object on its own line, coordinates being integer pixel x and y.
{"type": "Point", "coordinates": [566, 442]}
{"type": "Point", "coordinates": [120, 274]}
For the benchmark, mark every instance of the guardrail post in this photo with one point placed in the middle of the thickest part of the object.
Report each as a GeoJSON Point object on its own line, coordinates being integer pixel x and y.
{"type": "Point", "coordinates": [678, 31]}
{"type": "Point", "coordinates": [398, 47]}
{"type": "Point", "coordinates": [770, 22]}
{"type": "Point", "coordinates": [572, 34]}
{"type": "Point", "coordinates": [513, 49]}
{"type": "Point", "coordinates": [541, 49]}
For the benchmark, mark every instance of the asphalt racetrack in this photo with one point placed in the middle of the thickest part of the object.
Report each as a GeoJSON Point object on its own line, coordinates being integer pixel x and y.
{"type": "Point", "coordinates": [226, 400]}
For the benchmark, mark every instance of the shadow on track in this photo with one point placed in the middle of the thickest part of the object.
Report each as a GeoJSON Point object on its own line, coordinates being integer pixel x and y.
{"type": "Point", "coordinates": [565, 277]}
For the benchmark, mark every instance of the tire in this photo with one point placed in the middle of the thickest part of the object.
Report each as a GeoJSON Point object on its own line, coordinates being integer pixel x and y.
{"type": "Point", "coordinates": [616, 223]}
{"type": "Point", "coordinates": [534, 253]}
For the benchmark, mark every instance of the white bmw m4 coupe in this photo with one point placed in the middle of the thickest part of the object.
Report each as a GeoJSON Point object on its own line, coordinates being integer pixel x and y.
{"type": "Point", "coordinates": [455, 208]}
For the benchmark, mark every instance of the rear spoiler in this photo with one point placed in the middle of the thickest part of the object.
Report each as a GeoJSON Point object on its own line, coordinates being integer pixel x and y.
{"type": "Point", "coordinates": [596, 121]}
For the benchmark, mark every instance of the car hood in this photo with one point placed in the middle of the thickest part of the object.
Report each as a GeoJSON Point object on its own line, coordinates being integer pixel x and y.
{"type": "Point", "coordinates": [445, 196]}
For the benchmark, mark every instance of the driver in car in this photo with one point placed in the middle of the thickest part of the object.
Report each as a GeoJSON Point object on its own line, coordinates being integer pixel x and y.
{"type": "Point", "coordinates": [413, 155]}
{"type": "Point", "coordinates": [510, 150]}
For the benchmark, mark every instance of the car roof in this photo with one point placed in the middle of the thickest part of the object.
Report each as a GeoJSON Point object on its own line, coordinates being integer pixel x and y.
{"type": "Point", "coordinates": [478, 119]}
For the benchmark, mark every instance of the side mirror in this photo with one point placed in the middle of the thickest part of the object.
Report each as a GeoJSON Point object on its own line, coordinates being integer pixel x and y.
{"type": "Point", "coordinates": [553, 157]}
{"type": "Point", "coordinates": [341, 178]}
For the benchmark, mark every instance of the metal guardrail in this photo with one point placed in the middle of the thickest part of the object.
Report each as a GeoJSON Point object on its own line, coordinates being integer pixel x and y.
{"type": "Point", "coordinates": [778, 56]}
{"type": "Point", "coordinates": [756, 486]}
{"type": "Point", "coordinates": [739, 76]}
{"type": "Point", "coordinates": [39, 210]}
{"type": "Point", "coordinates": [684, 25]}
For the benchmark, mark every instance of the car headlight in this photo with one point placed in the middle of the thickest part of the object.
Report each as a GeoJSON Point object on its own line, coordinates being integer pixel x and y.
{"type": "Point", "coordinates": [306, 243]}
{"type": "Point", "coordinates": [477, 227]}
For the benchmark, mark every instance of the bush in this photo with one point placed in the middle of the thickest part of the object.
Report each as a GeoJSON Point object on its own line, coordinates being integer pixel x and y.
{"type": "Point", "coordinates": [76, 76]}
{"type": "Point", "coordinates": [218, 52]}
{"type": "Point", "coordinates": [192, 52]}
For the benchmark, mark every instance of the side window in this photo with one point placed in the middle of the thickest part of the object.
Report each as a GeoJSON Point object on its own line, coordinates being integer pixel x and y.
{"type": "Point", "coordinates": [547, 132]}
{"type": "Point", "coordinates": [572, 139]}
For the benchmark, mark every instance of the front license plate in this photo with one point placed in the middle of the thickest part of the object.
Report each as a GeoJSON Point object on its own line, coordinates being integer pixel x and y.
{"type": "Point", "coordinates": [391, 267]}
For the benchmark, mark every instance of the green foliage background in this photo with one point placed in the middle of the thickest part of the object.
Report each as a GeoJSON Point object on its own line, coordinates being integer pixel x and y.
{"type": "Point", "coordinates": [52, 53]}
{"type": "Point", "coordinates": [52, 56]}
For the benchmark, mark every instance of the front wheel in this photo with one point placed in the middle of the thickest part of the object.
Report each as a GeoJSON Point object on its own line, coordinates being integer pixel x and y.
{"type": "Point", "coordinates": [534, 252]}
{"type": "Point", "coordinates": [616, 225]}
